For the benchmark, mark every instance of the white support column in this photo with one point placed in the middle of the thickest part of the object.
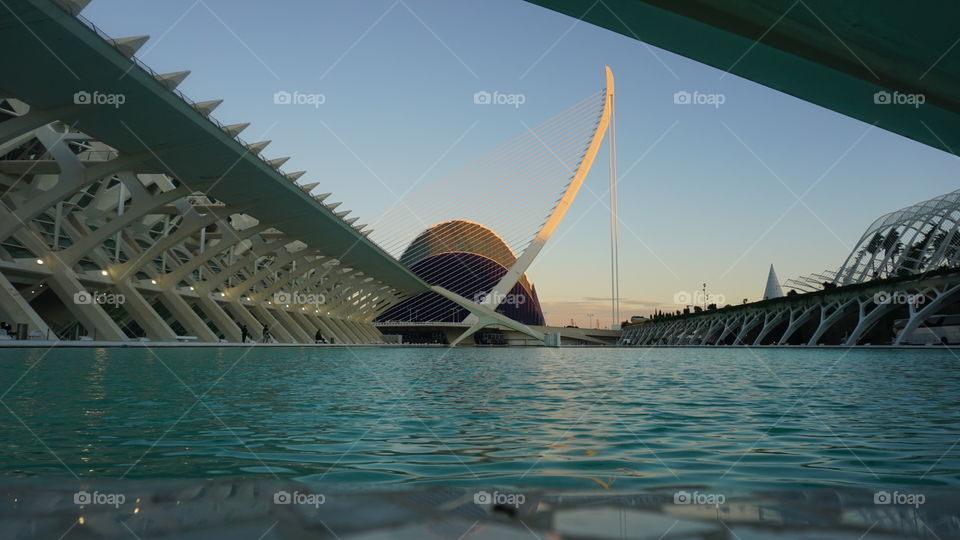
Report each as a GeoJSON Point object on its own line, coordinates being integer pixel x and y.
{"type": "Point", "coordinates": [306, 323]}
{"type": "Point", "coordinates": [917, 317]}
{"type": "Point", "coordinates": [348, 335]}
{"type": "Point", "coordinates": [291, 326]}
{"type": "Point", "coordinates": [243, 316]}
{"type": "Point", "coordinates": [331, 330]}
{"type": "Point", "coordinates": [866, 320]}
{"type": "Point", "coordinates": [276, 329]}
{"type": "Point", "coordinates": [797, 321]}
{"type": "Point", "coordinates": [142, 311]}
{"type": "Point", "coordinates": [186, 316]}
{"type": "Point", "coordinates": [227, 326]}
{"type": "Point", "coordinates": [827, 321]}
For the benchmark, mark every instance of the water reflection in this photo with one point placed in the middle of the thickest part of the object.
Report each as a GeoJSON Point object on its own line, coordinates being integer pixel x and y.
{"type": "Point", "coordinates": [586, 418]}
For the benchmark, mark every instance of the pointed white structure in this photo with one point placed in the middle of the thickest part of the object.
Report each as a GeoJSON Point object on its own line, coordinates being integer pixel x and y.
{"type": "Point", "coordinates": [772, 289]}
{"type": "Point", "coordinates": [172, 80]}
{"type": "Point", "coordinates": [207, 107]}
{"type": "Point", "coordinates": [258, 147]}
{"type": "Point", "coordinates": [128, 46]}
{"type": "Point", "coordinates": [73, 6]}
{"type": "Point", "coordinates": [234, 129]}
{"type": "Point", "coordinates": [295, 175]}
{"type": "Point", "coordinates": [278, 162]}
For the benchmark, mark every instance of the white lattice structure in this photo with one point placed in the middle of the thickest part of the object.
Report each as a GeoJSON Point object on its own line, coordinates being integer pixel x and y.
{"type": "Point", "coordinates": [148, 219]}
{"type": "Point", "coordinates": [918, 238]}
{"type": "Point", "coordinates": [899, 285]}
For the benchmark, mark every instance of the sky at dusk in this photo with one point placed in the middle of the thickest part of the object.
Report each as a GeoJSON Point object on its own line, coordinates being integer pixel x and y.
{"type": "Point", "coordinates": [709, 192]}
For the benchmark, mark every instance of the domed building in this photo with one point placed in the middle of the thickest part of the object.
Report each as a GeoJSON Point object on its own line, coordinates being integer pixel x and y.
{"type": "Point", "coordinates": [469, 259]}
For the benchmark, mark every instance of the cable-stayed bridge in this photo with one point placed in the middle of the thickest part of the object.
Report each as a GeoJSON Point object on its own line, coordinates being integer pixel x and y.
{"type": "Point", "coordinates": [475, 232]}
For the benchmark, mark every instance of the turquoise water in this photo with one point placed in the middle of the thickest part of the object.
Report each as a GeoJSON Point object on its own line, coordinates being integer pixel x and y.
{"type": "Point", "coordinates": [568, 418]}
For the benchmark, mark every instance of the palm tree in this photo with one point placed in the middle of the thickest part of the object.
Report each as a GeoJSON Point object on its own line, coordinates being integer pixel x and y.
{"type": "Point", "coordinates": [872, 247]}
{"type": "Point", "coordinates": [891, 243]}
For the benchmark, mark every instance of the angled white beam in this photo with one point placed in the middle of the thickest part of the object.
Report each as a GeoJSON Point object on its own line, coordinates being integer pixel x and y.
{"type": "Point", "coordinates": [484, 317]}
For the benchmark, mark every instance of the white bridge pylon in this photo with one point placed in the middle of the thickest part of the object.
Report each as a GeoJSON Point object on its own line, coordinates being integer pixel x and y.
{"type": "Point", "coordinates": [484, 313]}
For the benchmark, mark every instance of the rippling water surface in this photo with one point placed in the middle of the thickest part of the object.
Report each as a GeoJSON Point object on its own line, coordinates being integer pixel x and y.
{"type": "Point", "coordinates": [554, 418]}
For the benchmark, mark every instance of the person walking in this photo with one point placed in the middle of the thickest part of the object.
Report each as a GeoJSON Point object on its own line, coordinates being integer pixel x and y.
{"type": "Point", "coordinates": [244, 333]}
{"type": "Point", "coordinates": [266, 334]}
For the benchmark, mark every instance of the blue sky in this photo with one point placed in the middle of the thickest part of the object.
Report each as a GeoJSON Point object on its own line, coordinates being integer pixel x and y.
{"type": "Point", "coordinates": [707, 194]}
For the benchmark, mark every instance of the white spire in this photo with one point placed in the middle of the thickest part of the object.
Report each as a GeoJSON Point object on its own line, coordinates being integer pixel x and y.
{"type": "Point", "coordinates": [772, 290]}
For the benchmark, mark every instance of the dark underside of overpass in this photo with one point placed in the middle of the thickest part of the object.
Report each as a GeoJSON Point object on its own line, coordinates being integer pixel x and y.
{"type": "Point", "coordinates": [836, 54]}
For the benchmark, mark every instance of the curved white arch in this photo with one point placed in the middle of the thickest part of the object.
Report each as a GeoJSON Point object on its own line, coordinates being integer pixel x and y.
{"type": "Point", "coordinates": [480, 318]}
